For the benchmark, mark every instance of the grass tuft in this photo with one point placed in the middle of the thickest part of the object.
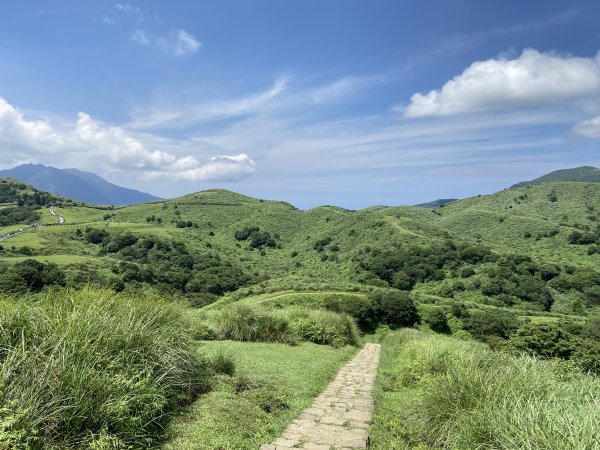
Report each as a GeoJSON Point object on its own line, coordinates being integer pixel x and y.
{"type": "Point", "coordinates": [91, 369]}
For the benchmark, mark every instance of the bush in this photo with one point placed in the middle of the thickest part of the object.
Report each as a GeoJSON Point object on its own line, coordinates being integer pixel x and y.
{"type": "Point", "coordinates": [291, 325]}
{"type": "Point", "coordinates": [359, 307]}
{"type": "Point", "coordinates": [90, 368]}
{"type": "Point", "coordinates": [394, 308]}
{"type": "Point", "coordinates": [437, 321]}
{"type": "Point", "coordinates": [496, 323]}
{"type": "Point", "coordinates": [544, 339]}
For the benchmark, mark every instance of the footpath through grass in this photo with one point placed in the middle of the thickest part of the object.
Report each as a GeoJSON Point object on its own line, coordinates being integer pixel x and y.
{"type": "Point", "coordinates": [437, 392]}
{"type": "Point", "coordinates": [263, 387]}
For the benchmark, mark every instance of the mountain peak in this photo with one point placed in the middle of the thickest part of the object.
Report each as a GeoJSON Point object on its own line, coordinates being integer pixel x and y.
{"type": "Point", "coordinates": [76, 184]}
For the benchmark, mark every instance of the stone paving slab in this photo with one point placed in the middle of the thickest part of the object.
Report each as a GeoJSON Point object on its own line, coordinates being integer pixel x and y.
{"type": "Point", "coordinates": [339, 417]}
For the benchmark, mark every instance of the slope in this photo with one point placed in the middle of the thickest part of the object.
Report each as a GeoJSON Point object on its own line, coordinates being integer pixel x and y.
{"type": "Point", "coordinates": [76, 184]}
{"type": "Point", "coordinates": [585, 174]}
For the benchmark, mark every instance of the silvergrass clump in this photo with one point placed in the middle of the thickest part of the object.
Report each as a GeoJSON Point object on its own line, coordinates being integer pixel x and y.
{"type": "Point", "coordinates": [440, 392]}
{"type": "Point", "coordinates": [290, 325]}
{"type": "Point", "coordinates": [91, 369]}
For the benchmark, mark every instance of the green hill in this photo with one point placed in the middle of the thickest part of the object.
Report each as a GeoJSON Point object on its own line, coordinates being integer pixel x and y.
{"type": "Point", "coordinates": [437, 203]}
{"type": "Point", "coordinates": [229, 281]}
{"type": "Point", "coordinates": [269, 246]}
{"type": "Point", "coordinates": [585, 174]}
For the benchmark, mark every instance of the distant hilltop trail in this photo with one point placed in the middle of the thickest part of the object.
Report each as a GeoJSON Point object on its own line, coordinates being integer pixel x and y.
{"type": "Point", "coordinates": [76, 184]}
{"type": "Point", "coordinates": [585, 174]}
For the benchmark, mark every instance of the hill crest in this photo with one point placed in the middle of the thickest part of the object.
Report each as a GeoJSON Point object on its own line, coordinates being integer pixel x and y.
{"type": "Point", "coordinates": [585, 174]}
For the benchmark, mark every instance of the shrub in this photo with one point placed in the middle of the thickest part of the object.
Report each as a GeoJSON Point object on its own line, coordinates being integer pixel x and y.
{"type": "Point", "coordinates": [359, 307]}
{"type": "Point", "coordinates": [291, 325]}
{"type": "Point", "coordinates": [547, 340]}
{"type": "Point", "coordinates": [485, 324]}
{"type": "Point", "coordinates": [394, 308]}
{"type": "Point", "coordinates": [437, 320]}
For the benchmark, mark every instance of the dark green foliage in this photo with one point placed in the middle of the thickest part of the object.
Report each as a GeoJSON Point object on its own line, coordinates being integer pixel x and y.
{"type": "Point", "coordinates": [394, 308]}
{"type": "Point", "coordinates": [580, 238]}
{"type": "Point", "coordinates": [437, 321]}
{"type": "Point", "coordinates": [361, 308]}
{"type": "Point", "coordinates": [581, 344]}
{"type": "Point", "coordinates": [491, 323]}
{"type": "Point", "coordinates": [30, 275]}
{"type": "Point", "coordinates": [19, 215]}
{"type": "Point", "coordinates": [319, 245]}
{"type": "Point", "coordinates": [410, 264]}
{"type": "Point", "coordinates": [258, 239]}
{"type": "Point", "coordinates": [170, 266]}
{"type": "Point", "coordinates": [95, 235]}
{"type": "Point", "coordinates": [184, 224]}
{"type": "Point", "coordinates": [459, 310]}
{"type": "Point", "coordinates": [112, 243]}
{"type": "Point", "coordinates": [547, 340]}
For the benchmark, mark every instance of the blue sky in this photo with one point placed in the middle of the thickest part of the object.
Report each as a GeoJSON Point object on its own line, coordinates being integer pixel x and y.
{"type": "Point", "coordinates": [344, 102]}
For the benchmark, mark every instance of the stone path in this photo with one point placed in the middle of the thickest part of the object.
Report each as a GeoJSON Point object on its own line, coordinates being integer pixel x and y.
{"type": "Point", "coordinates": [339, 417]}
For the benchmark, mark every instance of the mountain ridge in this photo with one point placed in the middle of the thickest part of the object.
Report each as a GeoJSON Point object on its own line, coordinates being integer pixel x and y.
{"type": "Point", "coordinates": [76, 184]}
{"type": "Point", "coordinates": [586, 174]}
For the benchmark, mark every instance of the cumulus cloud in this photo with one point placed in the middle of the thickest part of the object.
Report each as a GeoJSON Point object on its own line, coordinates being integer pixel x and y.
{"type": "Point", "coordinates": [589, 129]}
{"type": "Point", "coordinates": [98, 143]}
{"type": "Point", "coordinates": [534, 79]}
{"type": "Point", "coordinates": [222, 168]}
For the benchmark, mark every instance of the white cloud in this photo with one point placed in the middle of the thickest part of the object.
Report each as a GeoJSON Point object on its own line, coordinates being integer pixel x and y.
{"type": "Point", "coordinates": [92, 144]}
{"type": "Point", "coordinates": [588, 128]}
{"type": "Point", "coordinates": [534, 79]}
{"type": "Point", "coordinates": [151, 32]}
{"type": "Point", "coordinates": [336, 89]}
{"type": "Point", "coordinates": [222, 168]}
{"type": "Point", "coordinates": [185, 115]}
{"type": "Point", "coordinates": [180, 43]}
{"type": "Point", "coordinates": [176, 42]}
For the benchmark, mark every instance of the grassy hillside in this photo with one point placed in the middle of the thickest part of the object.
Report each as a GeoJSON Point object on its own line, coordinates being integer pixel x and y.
{"type": "Point", "coordinates": [439, 392]}
{"type": "Point", "coordinates": [295, 292]}
{"type": "Point", "coordinates": [585, 174]}
{"type": "Point", "coordinates": [275, 247]}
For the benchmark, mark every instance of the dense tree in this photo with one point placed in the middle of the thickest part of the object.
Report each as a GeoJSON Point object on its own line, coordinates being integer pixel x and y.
{"type": "Point", "coordinates": [394, 308]}
{"type": "Point", "coordinates": [491, 323]}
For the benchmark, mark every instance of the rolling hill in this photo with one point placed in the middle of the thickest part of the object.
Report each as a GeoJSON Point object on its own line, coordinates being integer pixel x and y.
{"type": "Point", "coordinates": [514, 268]}
{"type": "Point", "coordinates": [76, 184]}
{"type": "Point", "coordinates": [585, 174]}
{"type": "Point", "coordinates": [437, 203]}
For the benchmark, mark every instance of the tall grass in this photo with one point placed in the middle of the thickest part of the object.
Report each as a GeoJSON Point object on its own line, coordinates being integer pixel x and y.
{"type": "Point", "coordinates": [91, 369]}
{"type": "Point", "coordinates": [290, 325]}
{"type": "Point", "coordinates": [439, 392]}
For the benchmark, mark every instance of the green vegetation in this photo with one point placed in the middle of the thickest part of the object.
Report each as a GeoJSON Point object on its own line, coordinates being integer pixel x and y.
{"type": "Point", "coordinates": [251, 404]}
{"type": "Point", "coordinates": [92, 369]}
{"type": "Point", "coordinates": [291, 325]}
{"type": "Point", "coordinates": [439, 392]}
{"type": "Point", "coordinates": [504, 289]}
{"type": "Point", "coordinates": [585, 174]}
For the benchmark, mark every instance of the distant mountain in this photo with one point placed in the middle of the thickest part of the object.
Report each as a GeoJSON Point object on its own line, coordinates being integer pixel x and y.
{"type": "Point", "coordinates": [586, 174]}
{"type": "Point", "coordinates": [75, 184]}
{"type": "Point", "coordinates": [437, 203]}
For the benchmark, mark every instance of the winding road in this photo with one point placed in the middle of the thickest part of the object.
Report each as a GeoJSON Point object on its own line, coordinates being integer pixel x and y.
{"type": "Point", "coordinates": [61, 219]}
